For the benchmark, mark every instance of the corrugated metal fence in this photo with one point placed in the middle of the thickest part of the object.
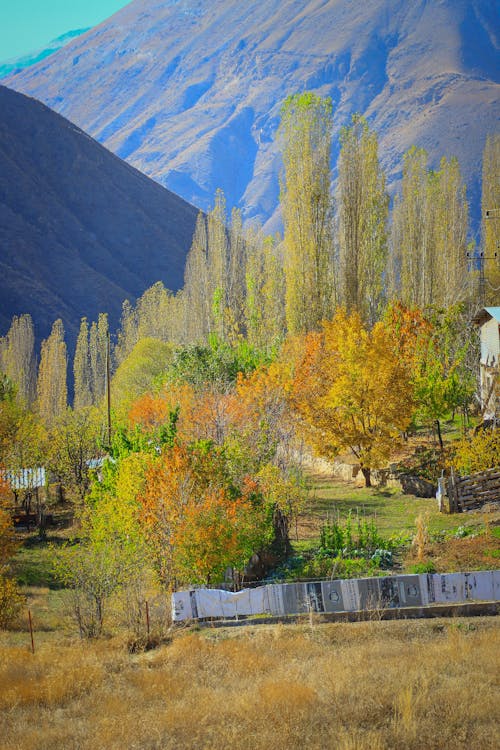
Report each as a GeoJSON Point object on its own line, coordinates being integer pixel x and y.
{"type": "Point", "coordinates": [335, 596]}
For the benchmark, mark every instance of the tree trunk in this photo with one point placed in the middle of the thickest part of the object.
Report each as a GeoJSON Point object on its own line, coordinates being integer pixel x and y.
{"type": "Point", "coordinates": [440, 437]}
{"type": "Point", "coordinates": [367, 475]}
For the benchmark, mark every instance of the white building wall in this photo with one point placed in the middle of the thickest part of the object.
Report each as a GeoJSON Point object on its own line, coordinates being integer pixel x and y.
{"type": "Point", "coordinates": [490, 343]}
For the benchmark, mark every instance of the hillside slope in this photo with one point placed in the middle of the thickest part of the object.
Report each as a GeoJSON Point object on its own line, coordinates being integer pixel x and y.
{"type": "Point", "coordinates": [189, 91]}
{"type": "Point", "coordinates": [80, 230]}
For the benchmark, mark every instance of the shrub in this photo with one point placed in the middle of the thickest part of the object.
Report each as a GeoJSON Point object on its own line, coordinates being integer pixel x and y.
{"type": "Point", "coordinates": [11, 601]}
{"type": "Point", "coordinates": [478, 452]}
{"type": "Point", "coordinates": [422, 567]}
{"type": "Point", "coordinates": [359, 539]}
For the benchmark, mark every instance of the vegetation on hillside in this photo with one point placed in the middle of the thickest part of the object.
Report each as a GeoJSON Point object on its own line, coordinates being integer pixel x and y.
{"type": "Point", "coordinates": [272, 348]}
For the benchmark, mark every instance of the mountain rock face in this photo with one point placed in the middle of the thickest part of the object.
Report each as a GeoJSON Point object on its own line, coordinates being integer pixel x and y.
{"type": "Point", "coordinates": [80, 230]}
{"type": "Point", "coordinates": [189, 91]}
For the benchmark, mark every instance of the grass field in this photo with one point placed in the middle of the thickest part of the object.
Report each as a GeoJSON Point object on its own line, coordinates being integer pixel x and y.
{"type": "Point", "coordinates": [373, 685]}
{"type": "Point", "coordinates": [395, 512]}
{"type": "Point", "coordinates": [360, 686]}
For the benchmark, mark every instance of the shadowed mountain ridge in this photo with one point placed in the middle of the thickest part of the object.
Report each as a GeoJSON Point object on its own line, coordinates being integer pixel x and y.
{"type": "Point", "coordinates": [80, 230]}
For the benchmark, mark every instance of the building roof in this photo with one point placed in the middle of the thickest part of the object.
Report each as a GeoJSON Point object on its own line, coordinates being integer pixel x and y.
{"type": "Point", "coordinates": [25, 479]}
{"type": "Point", "coordinates": [487, 313]}
{"type": "Point", "coordinates": [494, 312]}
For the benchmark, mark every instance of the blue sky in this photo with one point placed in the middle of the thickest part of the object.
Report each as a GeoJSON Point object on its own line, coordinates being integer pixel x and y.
{"type": "Point", "coordinates": [27, 25]}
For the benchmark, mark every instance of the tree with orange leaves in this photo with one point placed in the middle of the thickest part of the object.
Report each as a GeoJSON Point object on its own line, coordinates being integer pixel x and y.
{"type": "Point", "coordinates": [411, 332]}
{"type": "Point", "coordinates": [197, 523]}
{"type": "Point", "coordinates": [352, 391]}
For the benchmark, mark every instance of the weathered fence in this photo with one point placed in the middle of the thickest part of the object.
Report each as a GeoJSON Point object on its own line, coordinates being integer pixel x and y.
{"type": "Point", "coordinates": [339, 596]}
{"type": "Point", "coordinates": [465, 493]}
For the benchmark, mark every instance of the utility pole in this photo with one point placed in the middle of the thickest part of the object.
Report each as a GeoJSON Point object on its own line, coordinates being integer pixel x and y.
{"type": "Point", "coordinates": [491, 213]}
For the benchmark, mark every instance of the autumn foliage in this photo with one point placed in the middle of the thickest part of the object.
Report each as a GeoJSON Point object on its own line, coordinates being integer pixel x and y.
{"type": "Point", "coordinates": [353, 391]}
{"type": "Point", "coordinates": [198, 525]}
{"type": "Point", "coordinates": [10, 598]}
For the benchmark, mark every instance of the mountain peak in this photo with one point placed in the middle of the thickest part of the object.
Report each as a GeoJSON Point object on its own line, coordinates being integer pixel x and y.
{"type": "Point", "coordinates": [189, 91]}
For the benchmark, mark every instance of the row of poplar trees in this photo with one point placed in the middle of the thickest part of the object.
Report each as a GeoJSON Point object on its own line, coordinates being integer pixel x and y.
{"type": "Point", "coordinates": [337, 250]}
{"type": "Point", "coordinates": [41, 383]}
{"type": "Point", "coordinates": [343, 249]}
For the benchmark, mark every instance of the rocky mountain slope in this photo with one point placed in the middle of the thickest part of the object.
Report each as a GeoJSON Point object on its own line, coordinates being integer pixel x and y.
{"type": "Point", "coordinates": [189, 91]}
{"type": "Point", "coordinates": [80, 230]}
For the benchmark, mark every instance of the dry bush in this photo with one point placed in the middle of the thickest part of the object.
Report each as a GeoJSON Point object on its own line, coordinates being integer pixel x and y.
{"type": "Point", "coordinates": [469, 553]}
{"type": "Point", "coordinates": [359, 686]}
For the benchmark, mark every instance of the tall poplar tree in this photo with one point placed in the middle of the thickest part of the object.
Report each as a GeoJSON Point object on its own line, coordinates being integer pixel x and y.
{"type": "Point", "coordinates": [217, 262]}
{"type": "Point", "coordinates": [214, 279]}
{"type": "Point", "coordinates": [236, 285]}
{"type": "Point", "coordinates": [429, 233]}
{"type": "Point", "coordinates": [363, 205]}
{"type": "Point", "coordinates": [198, 311]}
{"type": "Point", "coordinates": [265, 292]}
{"type": "Point", "coordinates": [154, 313]}
{"type": "Point", "coordinates": [81, 369]}
{"type": "Point", "coordinates": [98, 346]}
{"type": "Point", "coordinates": [305, 133]}
{"type": "Point", "coordinates": [412, 233]}
{"type": "Point", "coordinates": [490, 204]}
{"type": "Point", "coordinates": [17, 357]}
{"type": "Point", "coordinates": [127, 334]}
{"type": "Point", "coordinates": [451, 215]}
{"type": "Point", "coordinates": [51, 385]}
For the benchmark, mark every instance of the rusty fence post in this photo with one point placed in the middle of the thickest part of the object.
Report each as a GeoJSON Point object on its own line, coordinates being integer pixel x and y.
{"type": "Point", "coordinates": [31, 632]}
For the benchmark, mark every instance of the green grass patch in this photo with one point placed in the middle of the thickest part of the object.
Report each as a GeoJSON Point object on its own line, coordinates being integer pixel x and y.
{"type": "Point", "coordinates": [32, 566]}
{"type": "Point", "coordinates": [393, 511]}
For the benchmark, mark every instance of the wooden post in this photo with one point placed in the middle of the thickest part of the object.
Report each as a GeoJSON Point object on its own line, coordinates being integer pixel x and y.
{"type": "Point", "coordinates": [452, 492]}
{"type": "Point", "coordinates": [31, 632]}
{"type": "Point", "coordinates": [457, 504]}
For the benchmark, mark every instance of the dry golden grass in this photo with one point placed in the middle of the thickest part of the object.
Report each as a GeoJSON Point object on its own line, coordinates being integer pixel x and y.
{"type": "Point", "coordinates": [374, 685]}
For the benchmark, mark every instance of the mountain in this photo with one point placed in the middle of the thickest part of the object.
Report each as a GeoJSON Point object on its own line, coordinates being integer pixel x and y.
{"type": "Point", "coordinates": [16, 64]}
{"type": "Point", "coordinates": [80, 230]}
{"type": "Point", "coordinates": [189, 91]}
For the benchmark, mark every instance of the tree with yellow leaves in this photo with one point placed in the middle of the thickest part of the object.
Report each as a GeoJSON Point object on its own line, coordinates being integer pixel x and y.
{"type": "Point", "coordinates": [305, 133]}
{"type": "Point", "coordinates": [352, 391]}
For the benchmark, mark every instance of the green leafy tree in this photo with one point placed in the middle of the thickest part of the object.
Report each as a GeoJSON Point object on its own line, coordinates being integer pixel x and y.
{"type": "Point", "coordinates": [111, 555]}
{"type": "Point", "coordinates": [74, 444]}
{"type": "Point", "coordinates": [138, 373]}
{"type": "Point", "coordinates": [445, 367]}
